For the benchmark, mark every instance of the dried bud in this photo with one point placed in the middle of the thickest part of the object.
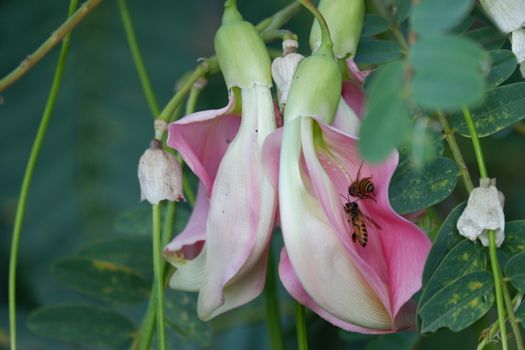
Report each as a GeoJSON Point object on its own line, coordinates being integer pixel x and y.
{"type": "Point", "coordinates": [509, 15]}
{"type": "Point", "coordinates": [484, 212]}
{"type": "Point", "coordinates": [160, 175]}
{"type": "Point", "coordinates": [283, 69]}
{"type": "Point", "coordinates": [518, 47]}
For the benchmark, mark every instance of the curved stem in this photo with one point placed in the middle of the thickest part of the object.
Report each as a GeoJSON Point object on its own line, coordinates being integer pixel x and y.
{"type": "Point", "coordinates": [28, 175]}
{"type": "Point", "coordinates": [326, 41]}
{"type": "Point", "coordinates": [137, 58]}
{"type": "Point", "coordinates": [53, 40]}
{"type": "Point", "coordinates": [494, 263]}
{"type": "Point", "coordinates": [300, 326]}
{"type": "Point", "coordinates": [456, 153]}
{"type": "Point", "coordinates": [512, 317]}
{"type": "Point", "coordinates": [279, 18]}
{"type": "Point", "coordinates": [272, 306]}
{"type": "Point", "coordinates": [158, 278]}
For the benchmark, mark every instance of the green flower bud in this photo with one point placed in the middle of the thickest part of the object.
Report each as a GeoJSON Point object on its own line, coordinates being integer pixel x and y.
{"type": "Point", "coordinates": [241, 52]}
{"type": "Point", "coordinates": [315, 89]}
{"type": "Point", "coordinates": [345, 22]}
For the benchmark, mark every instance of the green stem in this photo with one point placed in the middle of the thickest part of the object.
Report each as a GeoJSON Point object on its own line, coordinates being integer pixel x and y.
{"type": "Point", "coordinates": [494, 263]}
{"type": "Point", "coordinates": [300, 326]}
{"type": "Point", "coordinates": [158, 278]}
{"type": "Point", "coordinates": [514, 322]}
{"type": "Point", "coordinates": [326, 41]}
{"type": "Point", "coordinates": [56, 37]}
{"type": "Point", "coordinates": [279, 18]}
{"type": "Point", "coordinates": [201, 70]}
{"type": "Point", "coordinates": [148, 325]}
{"type": "Point", "coordinates": [456, 153]}
{"type": "Point", "coordinates": [28, 176]}
{"type": "Point", "coordinates": [137, 58]}
{"type": "Point", "coordinates": [278, 34]}
{"type": "Point", "coordinates": [272, 306]}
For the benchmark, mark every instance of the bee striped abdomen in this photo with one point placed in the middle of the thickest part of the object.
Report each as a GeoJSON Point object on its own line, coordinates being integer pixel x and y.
{"type": "Point", "coordinates": [362, 188]}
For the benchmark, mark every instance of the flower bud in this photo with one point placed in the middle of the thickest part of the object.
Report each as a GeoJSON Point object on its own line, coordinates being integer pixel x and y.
{"type": "Point", "coordinates": [508, 15]}
{"type": "Point", "coordinates": [345, 22]}
{"type": "Point", "coordinates": [484, 212]}
{"type": "Point", "coordinates": [160, 175]}
{"type": "Point", "coordinates": [283, 69]}
{"type": "Point", "coordinates": [315, 90]}
{"type": "Point", "coordinates": [241, 52]}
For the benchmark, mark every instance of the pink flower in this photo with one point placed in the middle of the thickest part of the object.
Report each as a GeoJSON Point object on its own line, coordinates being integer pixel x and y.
{"type": "Point", "coordinates": [361, 289]}
{"type": "Point", "coordinates": [222, 252]}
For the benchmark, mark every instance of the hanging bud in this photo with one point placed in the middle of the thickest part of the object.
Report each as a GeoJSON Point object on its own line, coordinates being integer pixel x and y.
{"type": "Point", "coordinates": [508, 15]}
{"type": "Point", "coordinates": [518, 47]}
{"type": "Point", "coordinates": [283, 69]}
{"type": "Point", "coordinates": [345, 22]}
{"type": "Point", "coordinates": [484, 212]}
{"type": "Point", "coordinates": [241, 51]}
{"type": "Point", "coordinates": [160, 175]}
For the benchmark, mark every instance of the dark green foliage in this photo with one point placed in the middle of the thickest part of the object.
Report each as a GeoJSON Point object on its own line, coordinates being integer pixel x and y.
{"type": "Point", "coordinates": [376, 51]}
{"type": "Point", "coordinates": [430, 17]}
{"type": "Point", "coordinates": [83, 324]}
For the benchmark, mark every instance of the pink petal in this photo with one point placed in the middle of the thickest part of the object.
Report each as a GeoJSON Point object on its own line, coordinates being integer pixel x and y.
{"type": "Point", "coordinates": [241, 214]}
{"type": "Point", "coordinates": [202, 139]}
{"type": "Point", "coordinates": [322, 263]}
{"type": "Point", "coordinates": [353, 92]}
{"type": "Point", "coordinates": [398, 250]}
{"type": "Point", "coordinates": [293, 286]}
{"type": "Point", "coordinates": [373, 269]}
{"type": "Point", "coordinates": [190, 240]}
{"type": "Point", "coordinates": [271, 155]}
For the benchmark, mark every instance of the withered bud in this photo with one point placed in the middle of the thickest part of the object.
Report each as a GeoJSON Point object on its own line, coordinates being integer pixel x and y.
{"type": "Point", "coordinates": [484, 212]}
{"type": "Point", "coordinates": [160, 175]}
{"type": "Point", "coordinates": [283, 69]}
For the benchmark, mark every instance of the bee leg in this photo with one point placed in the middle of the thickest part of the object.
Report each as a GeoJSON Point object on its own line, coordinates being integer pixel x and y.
{"type": "Point", "coordinates": [354, 236]}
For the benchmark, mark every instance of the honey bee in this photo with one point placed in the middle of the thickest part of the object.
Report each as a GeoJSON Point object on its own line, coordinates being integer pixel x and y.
{"type": "Point", "coordinates": [362, 188]}
{"type": "Point", "coordinates": [359, 222]}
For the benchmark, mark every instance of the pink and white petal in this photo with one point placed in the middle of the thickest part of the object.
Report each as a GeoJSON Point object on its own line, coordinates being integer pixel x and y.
{"type": "Point", "coordinates": [354, 96]}
{"type": "Point", "coordinates": [242, 289]}
{"type": "Point", "coordinates": [346, 120]}
{"type": "Point", "coordinates": [195, 229]}
{"type": "Point", "coordinates": [293, 286]}
{"type": "Point", "coordinates": [202, 139]}
{"type": "Point", "coordinates": [357, 74]}
{"type": "Point", "coordinates": [331, 198]}
{"type": "Point", "coordinates": [322, 264]}
{"type": "Point", "coordinates": [403, 245]}
{"type": "Point", "coordinates": [242, 205]}
{"type": "Point", "coordinates": [270, 156]}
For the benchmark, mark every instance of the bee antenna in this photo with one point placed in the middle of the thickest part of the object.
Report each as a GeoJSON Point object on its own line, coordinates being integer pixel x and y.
{"type": "Point", "coordinates": [359, 171]}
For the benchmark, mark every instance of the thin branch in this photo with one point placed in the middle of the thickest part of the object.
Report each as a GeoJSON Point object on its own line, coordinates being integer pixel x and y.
{"type": "Point", "coordinates": [53, 40]}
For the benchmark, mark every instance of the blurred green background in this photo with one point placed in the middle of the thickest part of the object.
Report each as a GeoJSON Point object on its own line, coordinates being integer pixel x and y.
{"type": "Point", "coordinates": [86, 175]}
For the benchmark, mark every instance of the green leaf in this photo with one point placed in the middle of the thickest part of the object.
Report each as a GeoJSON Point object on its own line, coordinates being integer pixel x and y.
{"type": "Point", "coordinates": [400, 10]}
{"type": "Point", "coordinates": [102, 279]}
{"type": "Point", "coordinates": [375, 51]}
{"type": "Point", "coordinates": [181, 317]}
{"type": "Point", "coordinates": [459, 304]}
{"type": "Point", "coordinates": [396, 341]}
{"type": "Point", "coordinates": [514, 238]}
{"type": "Point", "coordinates": [82, 324]}
{"type": "Point", "coordinates": [504, 106]}
{"type": "Point", "coordinates": [423, 145]}
{"type": "Point", "coordinates": [374, 24]}
{"type": "Point", "coordinates": [447, 238]}
{"type": "Point", "coordinates": [387, 117]}
{"type": "Point", "coordinates": [464, 258]}
{"type": "Point", "coordinates": [503, 65]}
{"type": "Point", "coordinates": [138, 221]}
{"type": "Point", "coordinates": [520, 314]}
{"type": "Point", "coordinates": [448, 72]}
{"type": "Point", "coordinates": [514, 271]}
{"type": "Point", "coordinates": [436, 16]}
{"type": "Point", "coordinates": [488, 37]}
{"type": "Point", "coordinates": [134, 252]}
{"type": "Point", "coordinates": [411, 190]}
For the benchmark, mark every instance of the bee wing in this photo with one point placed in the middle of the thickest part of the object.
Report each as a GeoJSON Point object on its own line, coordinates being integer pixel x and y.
{"type": "Point", "coordinates": [370, 221]}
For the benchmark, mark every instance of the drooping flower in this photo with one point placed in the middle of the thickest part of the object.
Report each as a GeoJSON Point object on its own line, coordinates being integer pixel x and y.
{"type": "Point", "coordinates": [222, 252]}
{"type": "Point", "coordinates": [160, 175]}
{"type": "Point", "coordinates": [359, 287]}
